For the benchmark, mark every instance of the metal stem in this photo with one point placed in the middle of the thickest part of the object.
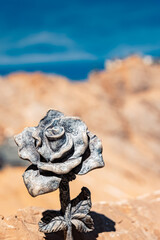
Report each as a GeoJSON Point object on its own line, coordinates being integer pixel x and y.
{"type": "Point", "coordinates": [65, 202]}
{"type": "Point", "coordinates": [68, 233]}
{"type": "Point", "coordinates": [64, 194]}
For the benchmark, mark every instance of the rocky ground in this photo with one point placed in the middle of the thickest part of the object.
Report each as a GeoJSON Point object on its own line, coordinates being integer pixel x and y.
{"type": "Point", "coordinates": [121, 105]}
{"type": "Point", "coordinates": [136, 219]}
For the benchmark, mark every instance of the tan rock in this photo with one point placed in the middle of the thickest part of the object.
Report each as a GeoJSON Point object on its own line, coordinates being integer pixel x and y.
{"type": "Point", "coordinates": [130, 220]}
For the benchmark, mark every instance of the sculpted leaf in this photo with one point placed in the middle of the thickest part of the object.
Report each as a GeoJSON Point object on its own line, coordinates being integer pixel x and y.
{"type": "Point", "coordinates": [81, 226]}
{"type": "Point", "coordinates": [81, 209]}
{"type": "Point", "coordinates": [88, 222]}
{"type": "Point", "coordinates": [56, 224]}
{"type": "Point", "coordinates": [81, 205]}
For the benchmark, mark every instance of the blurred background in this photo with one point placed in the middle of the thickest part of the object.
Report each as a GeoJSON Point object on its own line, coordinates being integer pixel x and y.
{"type": "Point", "coordinates": [71, 37]}
{"type": "Point", "coordinates": [98, 60]}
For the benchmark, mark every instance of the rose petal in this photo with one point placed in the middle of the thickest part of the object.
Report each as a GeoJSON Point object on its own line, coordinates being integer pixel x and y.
{"type": "Point", "coordinates": [60, 168]}
{"type": "Point", "coordinates": [76, 135]}
{"type": "Point", "coordinates": [48, 119]}
{"type": "Point", "coordinates": [54, 133]}
{"type": "Point", "coordinates": [38, 184]}
{"type": "Point", "coordinates": [51, 150]}
{"type": "Point", "coordinates": [45, 150]}
{"type": "Point", "coordinates": [78, 130]}
{"type": "Point", "coordinates": [64, 150]}
{"type": "Point", "coordinates": [26, 145]}
{"type": "Point", "coordinates": [94, 160]}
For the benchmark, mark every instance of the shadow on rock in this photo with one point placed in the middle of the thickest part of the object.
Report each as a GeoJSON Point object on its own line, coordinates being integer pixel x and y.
{"type": "Point", "coordinates": [101, 224]}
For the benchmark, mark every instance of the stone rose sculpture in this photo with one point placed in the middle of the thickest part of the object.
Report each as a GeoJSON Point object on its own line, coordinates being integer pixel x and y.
{"type": "Point", "coordinates": [59, 148]}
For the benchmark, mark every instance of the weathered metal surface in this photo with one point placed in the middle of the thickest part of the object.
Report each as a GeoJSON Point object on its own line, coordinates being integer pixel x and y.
{"type": "Point", "coordinates": [59, 148]}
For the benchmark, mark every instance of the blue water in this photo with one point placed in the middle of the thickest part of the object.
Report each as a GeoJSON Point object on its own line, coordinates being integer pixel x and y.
{"type": "Point", "coordinates": [71, 37]}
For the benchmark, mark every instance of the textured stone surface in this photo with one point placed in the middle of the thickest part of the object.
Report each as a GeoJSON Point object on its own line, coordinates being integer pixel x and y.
{"type": "Point", "coordinates": [125, 220]}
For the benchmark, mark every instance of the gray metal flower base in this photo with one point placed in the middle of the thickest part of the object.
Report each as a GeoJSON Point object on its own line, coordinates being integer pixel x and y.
{"type": "Point", "coordinates": [72, 212]}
